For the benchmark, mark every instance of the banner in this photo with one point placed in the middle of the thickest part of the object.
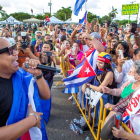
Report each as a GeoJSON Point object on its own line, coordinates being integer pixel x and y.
{"type": "Point", "coordinates": [130, 9]}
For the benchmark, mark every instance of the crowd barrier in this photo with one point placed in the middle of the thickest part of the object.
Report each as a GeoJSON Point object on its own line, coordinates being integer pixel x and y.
{"type": "Point", "coordinates": [102, 116]}
{"type": "Point", "coordinates": [65, 66]}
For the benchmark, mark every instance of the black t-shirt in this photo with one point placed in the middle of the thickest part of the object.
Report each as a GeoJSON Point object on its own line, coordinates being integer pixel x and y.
{"type": "Point", "coordinates": [6, 99]}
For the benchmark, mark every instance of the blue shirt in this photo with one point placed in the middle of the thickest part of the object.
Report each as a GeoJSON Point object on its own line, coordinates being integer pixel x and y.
{"type": "Point", "coordinates": [33, 44]}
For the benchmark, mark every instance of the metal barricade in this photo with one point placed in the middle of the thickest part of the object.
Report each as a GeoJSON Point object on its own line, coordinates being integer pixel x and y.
{"type": "Point", "coordinates": [84, 113]}
{"type": "Point", "coordinates": [123, 125]}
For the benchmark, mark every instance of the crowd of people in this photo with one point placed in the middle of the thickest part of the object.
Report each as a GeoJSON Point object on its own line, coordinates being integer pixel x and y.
{"type": "Point", "coordinates": [116, 62]}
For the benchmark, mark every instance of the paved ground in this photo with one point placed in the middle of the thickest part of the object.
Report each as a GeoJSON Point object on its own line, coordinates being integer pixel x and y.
{"type": "Point", "coordinates": [62, 112]}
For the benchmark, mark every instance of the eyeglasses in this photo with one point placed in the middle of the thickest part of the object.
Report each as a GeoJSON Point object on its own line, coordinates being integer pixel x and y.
{"type": "Point", "coordinates": [9, 49]}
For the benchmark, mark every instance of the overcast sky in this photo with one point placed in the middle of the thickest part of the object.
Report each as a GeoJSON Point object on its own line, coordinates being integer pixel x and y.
{"type": "Point", "coordinates": [98, 7]}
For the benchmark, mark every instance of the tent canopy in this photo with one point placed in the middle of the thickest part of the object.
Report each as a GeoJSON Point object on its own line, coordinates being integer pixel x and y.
{"type": "Point", "coordinates": [10, 20]}
{"type": "Point", "coordinates": [55, 20]}
{"type": "Point", "coordinates": [32, 20]}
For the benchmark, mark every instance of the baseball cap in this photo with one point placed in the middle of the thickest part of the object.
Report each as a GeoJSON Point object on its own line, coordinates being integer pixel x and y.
{"type": "Point", "coordinates": [38, 32]}
{"type": "Point", "coordinates": [95, 35]}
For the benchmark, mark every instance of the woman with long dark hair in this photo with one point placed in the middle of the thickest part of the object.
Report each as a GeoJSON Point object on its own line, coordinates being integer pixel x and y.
{"type": "Point", "coordinates": [120, 45]}
{"type": "Point", "coordinates": [104, 76]}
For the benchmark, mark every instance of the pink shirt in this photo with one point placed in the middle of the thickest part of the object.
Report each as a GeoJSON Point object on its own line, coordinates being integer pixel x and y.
{"type": "Point", "coordinates": [79, 57]}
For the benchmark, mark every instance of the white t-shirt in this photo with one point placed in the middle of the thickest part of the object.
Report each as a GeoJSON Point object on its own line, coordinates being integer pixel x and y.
{"type": "Point", "coordinates": [85, 48]}
{"type": "Point", "coordinates": [11, 40]}
{"type": "Point", "coordinates": [121, 78]}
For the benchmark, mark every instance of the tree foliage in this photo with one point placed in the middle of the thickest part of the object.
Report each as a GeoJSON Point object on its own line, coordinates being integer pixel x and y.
{"type": "Point", "coordinates": [3, 13]}
{"type": "Point", "coordinates": [21, 16]}
{"type": "Point", "coordinates": [91, 17]}
{"type": "Point", "coordinates": [63, 14]}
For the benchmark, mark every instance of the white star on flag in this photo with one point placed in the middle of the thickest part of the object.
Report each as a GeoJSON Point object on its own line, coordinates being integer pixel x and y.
{"type": "Point", "coordinates": [87, 70]}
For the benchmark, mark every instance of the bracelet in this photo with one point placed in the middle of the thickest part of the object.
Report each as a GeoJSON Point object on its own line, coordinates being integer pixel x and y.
{"type": "Point", "coordinates": [137, 36]}
{"type": "Point", "coordinates": [55, 57]}
{"type": "Point", "coordinates": [38, 77]}
{"type": "Point", "coordinates": [33, 114]}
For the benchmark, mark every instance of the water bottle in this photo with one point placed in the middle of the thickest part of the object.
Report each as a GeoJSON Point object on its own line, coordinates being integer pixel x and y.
{"type": "Point", "coordinates": [87, 138]}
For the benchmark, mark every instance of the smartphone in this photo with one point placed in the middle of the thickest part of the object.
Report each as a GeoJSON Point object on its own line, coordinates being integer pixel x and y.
{"type": "Point", "coordinates": [98, 17]}
{"type": "Point", "coordinates": [9, 26]}
{"type": "Point", "coordinates": [39, 37]}
{"type": "Point", "coordinates": [64, 44]}
{"type": "Point", "coordinates": [73, 50]}
{"type": "Point", "coordinates": [121, 53]}
{"type": "Point", "coordinates": [48, 53]}
{"type": "Point", "coordinates": [111, 30]}
{"type": "Point", "coordinates": [134, 27]}
{"type": "Point", "coordinates": [69, 31]}
{"type": "Point", "coordinates": [127, 27]}
{"type": "Point", "coordinates": [50, 41]}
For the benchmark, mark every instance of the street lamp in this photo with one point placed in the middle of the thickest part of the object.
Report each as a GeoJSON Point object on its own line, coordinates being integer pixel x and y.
{"type": "Point", "coordinates": [50, 4]}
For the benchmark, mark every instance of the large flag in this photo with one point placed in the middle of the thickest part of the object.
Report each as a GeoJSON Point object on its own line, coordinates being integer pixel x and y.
{"type": "Point", "coordinates": [83, 73]}
{"type": "Point", "coordinates": [46, 20]}
{"type": "Point", "coordinates": [83, 20]}
{"type": "Point", "coordinates": [78, 6]}
{"type": "Point", "coordinates": [27, 91]}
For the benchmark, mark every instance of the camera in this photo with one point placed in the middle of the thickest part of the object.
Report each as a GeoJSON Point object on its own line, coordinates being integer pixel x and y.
{"type": "Point", "coordinates": [24, 43]}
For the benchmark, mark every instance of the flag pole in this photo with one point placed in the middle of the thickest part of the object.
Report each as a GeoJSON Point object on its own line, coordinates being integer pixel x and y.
{"type": "Point", "coordinates": [85, 12]}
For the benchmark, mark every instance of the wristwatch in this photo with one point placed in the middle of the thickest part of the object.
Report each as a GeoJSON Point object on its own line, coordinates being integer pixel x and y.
{"type": "Point", "coordinates": [91, 37]}
{"type": "Point", "coordinates": [38, 77]}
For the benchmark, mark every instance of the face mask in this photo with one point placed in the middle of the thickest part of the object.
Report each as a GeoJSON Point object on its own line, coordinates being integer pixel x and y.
{"type": "Point", "coordinates": [131, 78]}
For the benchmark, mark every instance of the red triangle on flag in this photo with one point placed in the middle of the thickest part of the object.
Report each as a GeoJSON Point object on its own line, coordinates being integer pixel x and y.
{"type": "Point", "coordinates": [47, 18]}
{"type": "Point", "coordinates": [70, 72]}
{"type": "Point", "coordinates": [86, 70]}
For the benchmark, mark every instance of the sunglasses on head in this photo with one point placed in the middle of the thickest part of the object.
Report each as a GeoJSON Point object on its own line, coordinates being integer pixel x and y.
{"type": "Point", "coordinates": [9, 49]}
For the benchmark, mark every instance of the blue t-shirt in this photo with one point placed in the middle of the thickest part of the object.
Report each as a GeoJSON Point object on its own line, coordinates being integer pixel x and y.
{"type": "Point", "coordinates": [33, 44]}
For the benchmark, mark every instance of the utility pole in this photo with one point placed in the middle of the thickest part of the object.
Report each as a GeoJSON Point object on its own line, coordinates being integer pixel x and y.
{"type": "Point", "coordinates": [130, 10]}
{"type": "Point", "coordinates": [50, 4]}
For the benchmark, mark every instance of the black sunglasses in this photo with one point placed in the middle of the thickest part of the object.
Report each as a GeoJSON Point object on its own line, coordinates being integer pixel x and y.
{"type": "Point", "coordinates": [9, 49]}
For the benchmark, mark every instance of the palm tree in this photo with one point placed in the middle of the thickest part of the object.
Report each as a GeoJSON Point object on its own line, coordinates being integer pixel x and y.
{"type": "Point", "coordinates": [32, 12]}
{"type": "Point", "coordinates": [113, 13]}
{"type": "Point", "coordinates": [2, 12]}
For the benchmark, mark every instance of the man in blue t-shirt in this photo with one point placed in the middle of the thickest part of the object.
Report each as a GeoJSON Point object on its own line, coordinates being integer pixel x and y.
{"type": "Point", "coordinates": [38, 41]}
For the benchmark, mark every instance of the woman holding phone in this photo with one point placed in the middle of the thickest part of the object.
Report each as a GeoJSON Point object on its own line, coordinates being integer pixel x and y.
{"type": "Point", "coordinates": [47, 56]}
{"type": "Point", "coordinates": [74, 56]}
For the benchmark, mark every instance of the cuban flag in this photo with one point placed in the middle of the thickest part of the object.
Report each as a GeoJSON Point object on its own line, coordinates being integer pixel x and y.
{"type": "Point", "coordinates": [72, 89]}
{"type": "Point", "coordinates": [83, 73]}
{"type": "Point", "coordinates": [25, 91]}
{"type": "Point", "coordinates": [46, 20]}
{"type": "Point", "coordinates": [83, 21]}
{"type": "Point", "coordinates": [78, 6]}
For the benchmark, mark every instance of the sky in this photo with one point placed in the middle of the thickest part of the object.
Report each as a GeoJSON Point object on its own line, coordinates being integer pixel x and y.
{"type": "Point", "coordinates": [98, 7]}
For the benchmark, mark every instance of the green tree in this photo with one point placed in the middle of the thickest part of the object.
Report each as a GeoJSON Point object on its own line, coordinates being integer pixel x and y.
{"type": "Point", "coordinates": [113, 13]}
{"type": "Point", "coordinates": [91, 17]}
{"type": "Point", "coordinates": [2, 13]}
{"type": "Point", "coordinates": [21, 16]}
{"type": "Point", "coordinates": [105, 18]}
{"type": "Point", "coordinates": [63, 14]}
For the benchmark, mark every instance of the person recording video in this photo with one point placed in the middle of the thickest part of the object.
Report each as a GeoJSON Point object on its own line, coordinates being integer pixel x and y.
{"type": "Point", "coordinates": [24, 48]}
{"type": "Point", "coordinates": [38, 41]}
{"type": "Point", "coordinates": [47, 56]}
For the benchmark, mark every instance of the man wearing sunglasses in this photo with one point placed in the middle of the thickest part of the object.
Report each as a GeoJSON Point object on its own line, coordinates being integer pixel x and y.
{"type": "Point", "coordinates": [30, 51]}
{"type": "Point", "coordinates": [17, 87]}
